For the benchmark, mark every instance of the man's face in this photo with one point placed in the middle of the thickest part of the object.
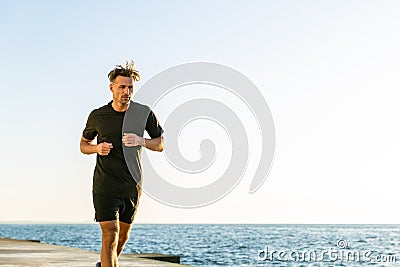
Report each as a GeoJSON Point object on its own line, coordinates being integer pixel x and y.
{"type": "Point", "coordinates": [122, 89]}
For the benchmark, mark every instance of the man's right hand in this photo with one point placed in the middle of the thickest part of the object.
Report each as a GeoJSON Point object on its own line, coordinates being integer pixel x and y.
{"type": "Point", "coordinates": [103, 149]}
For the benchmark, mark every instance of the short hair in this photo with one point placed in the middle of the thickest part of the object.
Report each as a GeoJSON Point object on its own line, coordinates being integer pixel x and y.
{"type": "Point", "coordinates": [127, 71]}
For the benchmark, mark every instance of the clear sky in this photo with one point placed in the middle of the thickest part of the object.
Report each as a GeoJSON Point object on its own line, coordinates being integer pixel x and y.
{"type": "Point", "coordinates": [329, 71]}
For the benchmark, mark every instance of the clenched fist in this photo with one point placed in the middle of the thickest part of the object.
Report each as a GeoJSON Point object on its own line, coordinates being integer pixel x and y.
{"type": "Point", "coordinates": [131, 139]}
{"type": "Point", "coordinates": [103, 149]}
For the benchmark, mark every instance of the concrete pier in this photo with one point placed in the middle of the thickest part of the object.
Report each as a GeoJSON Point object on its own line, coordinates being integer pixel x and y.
{"type": "Point", "coordinates": [33, 253]}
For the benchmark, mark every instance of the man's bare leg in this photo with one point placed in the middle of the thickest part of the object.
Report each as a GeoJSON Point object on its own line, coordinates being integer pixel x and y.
{"type": "Point", "coordinates": [124, 230]}
{"type": "Point", "coordinates": [110, 236]}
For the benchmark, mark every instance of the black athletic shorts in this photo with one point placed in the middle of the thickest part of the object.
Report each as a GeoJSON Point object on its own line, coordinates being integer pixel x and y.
{"type": "Point", "coordinates": [115, 208]}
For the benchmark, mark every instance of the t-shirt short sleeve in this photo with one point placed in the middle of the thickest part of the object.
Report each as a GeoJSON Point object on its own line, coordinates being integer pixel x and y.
{"type": "Point", "coordinates": [90, 131]}
{"type": "Point", "coordinates": [153, 126]}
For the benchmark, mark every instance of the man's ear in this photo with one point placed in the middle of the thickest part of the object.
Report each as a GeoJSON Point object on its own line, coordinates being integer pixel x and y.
{"type": "Point", "coordinates": [111, 86]}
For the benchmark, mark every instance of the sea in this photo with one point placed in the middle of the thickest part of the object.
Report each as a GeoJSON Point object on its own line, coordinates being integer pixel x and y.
{"type": "Point", "coordinates": [236, 244]}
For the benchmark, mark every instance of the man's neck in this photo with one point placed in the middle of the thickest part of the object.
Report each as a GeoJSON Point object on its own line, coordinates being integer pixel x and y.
{"type": "Point", "coordinates": [118, 107]}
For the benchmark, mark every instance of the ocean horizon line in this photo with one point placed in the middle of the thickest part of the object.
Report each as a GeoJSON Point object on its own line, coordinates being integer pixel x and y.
{"type": "Point", "coordinates": [187, 223]}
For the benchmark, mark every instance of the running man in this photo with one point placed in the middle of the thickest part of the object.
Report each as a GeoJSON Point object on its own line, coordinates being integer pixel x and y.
{"type": "Point", "coordinates": [117, 179]}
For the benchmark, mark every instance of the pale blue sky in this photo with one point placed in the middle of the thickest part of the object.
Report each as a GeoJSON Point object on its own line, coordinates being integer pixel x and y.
{"type": "Point", "coordinates": [329, 71]}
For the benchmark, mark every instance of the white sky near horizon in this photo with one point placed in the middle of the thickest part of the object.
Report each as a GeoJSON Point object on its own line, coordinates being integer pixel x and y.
{"type": "Point", "coordinates": [329, 71]}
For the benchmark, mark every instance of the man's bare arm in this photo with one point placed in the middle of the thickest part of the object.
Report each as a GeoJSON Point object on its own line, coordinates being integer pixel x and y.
{"type": "Point", "coordinates": [155, 144]}
{"type": "Point", "coordinates": [87, 147]}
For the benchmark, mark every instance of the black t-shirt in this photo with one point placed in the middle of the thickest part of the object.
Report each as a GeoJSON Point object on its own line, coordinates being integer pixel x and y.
{"type": "Point", "coordinates": [112, 177]}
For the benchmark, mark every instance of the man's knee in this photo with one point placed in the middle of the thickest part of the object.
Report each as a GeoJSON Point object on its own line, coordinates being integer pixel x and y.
{"type": "Point", "coordinates": [123, 238]}
{"type": "Point", "coordinates": [110, 230]}
{"type": "Point", "coordinates": [124, 232]}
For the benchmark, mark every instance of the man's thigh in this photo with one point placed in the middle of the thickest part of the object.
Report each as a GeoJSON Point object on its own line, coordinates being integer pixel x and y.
{"type": "Point", "coordinates": [124, 230]}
